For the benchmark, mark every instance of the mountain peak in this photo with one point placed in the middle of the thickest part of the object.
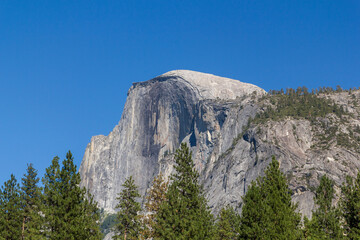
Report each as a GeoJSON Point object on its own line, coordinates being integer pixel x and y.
{"type": "Point", "coordinates": [211, 86]}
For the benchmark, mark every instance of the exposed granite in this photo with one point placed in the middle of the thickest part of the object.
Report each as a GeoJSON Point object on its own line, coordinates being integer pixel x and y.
{"type": "Point", "coordinates": [209, 113]}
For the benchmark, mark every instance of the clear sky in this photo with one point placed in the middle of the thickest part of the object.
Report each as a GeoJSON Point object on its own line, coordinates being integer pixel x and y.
{"type": "Point", "coordinates": [66, 66]}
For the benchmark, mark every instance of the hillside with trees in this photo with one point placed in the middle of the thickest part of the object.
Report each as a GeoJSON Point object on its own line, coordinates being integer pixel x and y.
{"type": "Point", "coordinates": [177, 206]}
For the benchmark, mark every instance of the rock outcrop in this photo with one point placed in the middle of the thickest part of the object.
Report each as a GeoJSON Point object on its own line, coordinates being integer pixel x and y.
{"type": "Point", "coordinates": [158, 115]}
{"type": "Point", "coordinates": [211, 113]}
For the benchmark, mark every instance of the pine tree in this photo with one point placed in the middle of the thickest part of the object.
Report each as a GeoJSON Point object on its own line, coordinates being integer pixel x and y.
{"type": "Point", "coordinates": [90, 218]}
{"type": "Point", "coordinates": [51, 197]}
{"type": "Point", "coordinates": [253, 216]}
{"type": "Point", "coordinates": [31, 194]}
{"type": "Point", "coordinates": [129, 224]}
{"type": "Point", "coordinates": [69, 212]}
{"type": "Point", "coordinates": [72, 198]}
{"type": "Point", "coordinates": [156, 196]}
{"type": "Point", "coordinates": [10, 210]}
{"type": "Point", "coordinates": [268, 212]}
{"type": "Point", "coordinates": [185, 214]}
{"type": "Point", "coordinates": [228, 224]}
{"type": "Point", "coordinates": [350, 206]}
{"type": "Point", "coordinates": [325, 222]}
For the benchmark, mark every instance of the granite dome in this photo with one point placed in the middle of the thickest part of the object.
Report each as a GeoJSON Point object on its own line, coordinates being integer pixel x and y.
{"type": "Point", "coordinates": [211, 86]}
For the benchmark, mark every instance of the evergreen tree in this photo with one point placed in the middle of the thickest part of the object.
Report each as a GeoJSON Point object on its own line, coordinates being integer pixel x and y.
{"type": "Point", "coordinates": [90, 218]}
{"type": "Point", "coordinates": [52, 205]}
{"type": "Point", "coordinates": [129, 224]}
{"type": "Point", "coordinates": [325, 222]}
{"type": "Point", "coordinates": [185, 214]}
{"type": "Point", "coordinates": [156, 196]}
{"type": "Point", "coordinates": [350, 206]}
{"type": "Point", "coordinates": [69, 212]}
{"type": "Point", "coordinates": [10, 210]}
{"type": "Point", "coordinates": [253, 216]}
{"type": "Point", "coordinates": [31, 194]}
{"type": "Point", "coordinates": [228, 224]}
{"type": "Point", "coordinates": [268, 212]}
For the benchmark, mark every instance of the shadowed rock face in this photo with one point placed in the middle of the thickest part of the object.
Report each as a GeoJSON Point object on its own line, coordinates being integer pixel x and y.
{"type": "Point", "coordinates": [209, 113]}
{"type": "Point", "coordinates": [158, 115]}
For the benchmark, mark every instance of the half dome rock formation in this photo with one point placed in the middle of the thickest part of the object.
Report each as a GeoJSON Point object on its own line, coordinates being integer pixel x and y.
{"type": "Point", "coordinates": [158, 115]}
{"type": "Point", "coordinates": [211, 114]}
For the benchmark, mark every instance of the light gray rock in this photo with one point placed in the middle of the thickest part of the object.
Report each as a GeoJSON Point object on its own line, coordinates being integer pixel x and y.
{"type": "Point", "coordinates": [109, 236]}
{"type": "Point", "coordinates": [158, 115]}
{"type": "Point", "coordinates": [210, 114]}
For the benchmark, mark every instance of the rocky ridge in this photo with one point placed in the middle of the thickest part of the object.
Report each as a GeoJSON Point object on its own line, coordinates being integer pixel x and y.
{"type": "Point", "coordinates": [211, 114]}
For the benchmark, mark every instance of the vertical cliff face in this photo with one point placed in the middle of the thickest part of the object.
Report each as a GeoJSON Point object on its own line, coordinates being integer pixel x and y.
{"type": "Point", "coordinates": [158, 115]}
{"type": "Point", "coordinates": [211, 113]}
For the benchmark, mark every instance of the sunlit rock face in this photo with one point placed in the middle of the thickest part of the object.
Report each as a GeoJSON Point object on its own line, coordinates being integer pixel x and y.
{"type": "Point", "coordinates": [210, 114]}
{"type": "Point", "coordinates": [158, 115]}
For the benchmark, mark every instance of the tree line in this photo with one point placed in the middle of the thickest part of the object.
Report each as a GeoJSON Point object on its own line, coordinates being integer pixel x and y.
{"type": "Point", "coordinates": [179, 210]}
{"type": "Point", "coordinates": [315, 91]}
{"type": "Point", "coordinates": [174, 209]}
{"type": "Point", "coordinates": [299, 103]}
{"type": "Point", "coordinates": [59, 210]}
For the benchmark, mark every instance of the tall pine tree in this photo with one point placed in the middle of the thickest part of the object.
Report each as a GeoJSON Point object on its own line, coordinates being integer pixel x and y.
{"type": "Point", "coordinates": [90, 217]}
{"type": "Point", "coordinates": [253, 214]}
{"type": "Point", "coordinates": [325, 222]}
{"type": "Point", "coordinates": [128, 219]}
{"type": "Point", "coordinates": [156, 196]}
{"type": "Point", "coordinates": [185, 214]}
{"type": "Point", "coordinates": [268, 212]}
{"type": "Point", "coordinates": [10, 210]}
{"type": "Point", "coordinates": [69, 212]}
{"type": "Point", "coordinates": [31, 193]}
{"type": "Point", "coordinates": [52, 208]}
{"type": "Point", "coordinates": [350, 206]}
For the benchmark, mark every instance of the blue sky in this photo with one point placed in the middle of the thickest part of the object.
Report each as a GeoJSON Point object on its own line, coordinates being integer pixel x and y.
{"type": "Point", "coordinates": [66, 66]}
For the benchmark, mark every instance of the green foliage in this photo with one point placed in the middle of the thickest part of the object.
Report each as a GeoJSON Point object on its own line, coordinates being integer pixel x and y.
{"type": "Point", "coordinates": [253, 214]}
{"type": "Point", "coordinates": [69, 212]}
{"type": "Point", "coordinates": [32, 220]}
{"type": "Point", "coordinates": [349, 141]}
{"type": "Point", "coordinates": [62, 211]}
{"type": "Point", "coordinates": [297, 104]}
{"type": "Point", "coordinates": [350, 206]}
{"type": "Point", "coordinates": [268, 212]}
{"type": "Point", "coordinates": [108, 223]}
{"type": "Point", "coordinates": [90, 216]}
{"type": "Point", "coordinates": [156, 196]}
{"type": "Point", "coordinates": [228, 224]}
{"type": "Point", "coordinates": [185, 214]}
{"type": "Point", "coordinates": [325, 222]}
{"type": "Point", "coordinates": [11, 210]}
{"type": "Point", "coordinates": [128, 220]}
{"type": "Point", "coordinates": [52, 205]}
